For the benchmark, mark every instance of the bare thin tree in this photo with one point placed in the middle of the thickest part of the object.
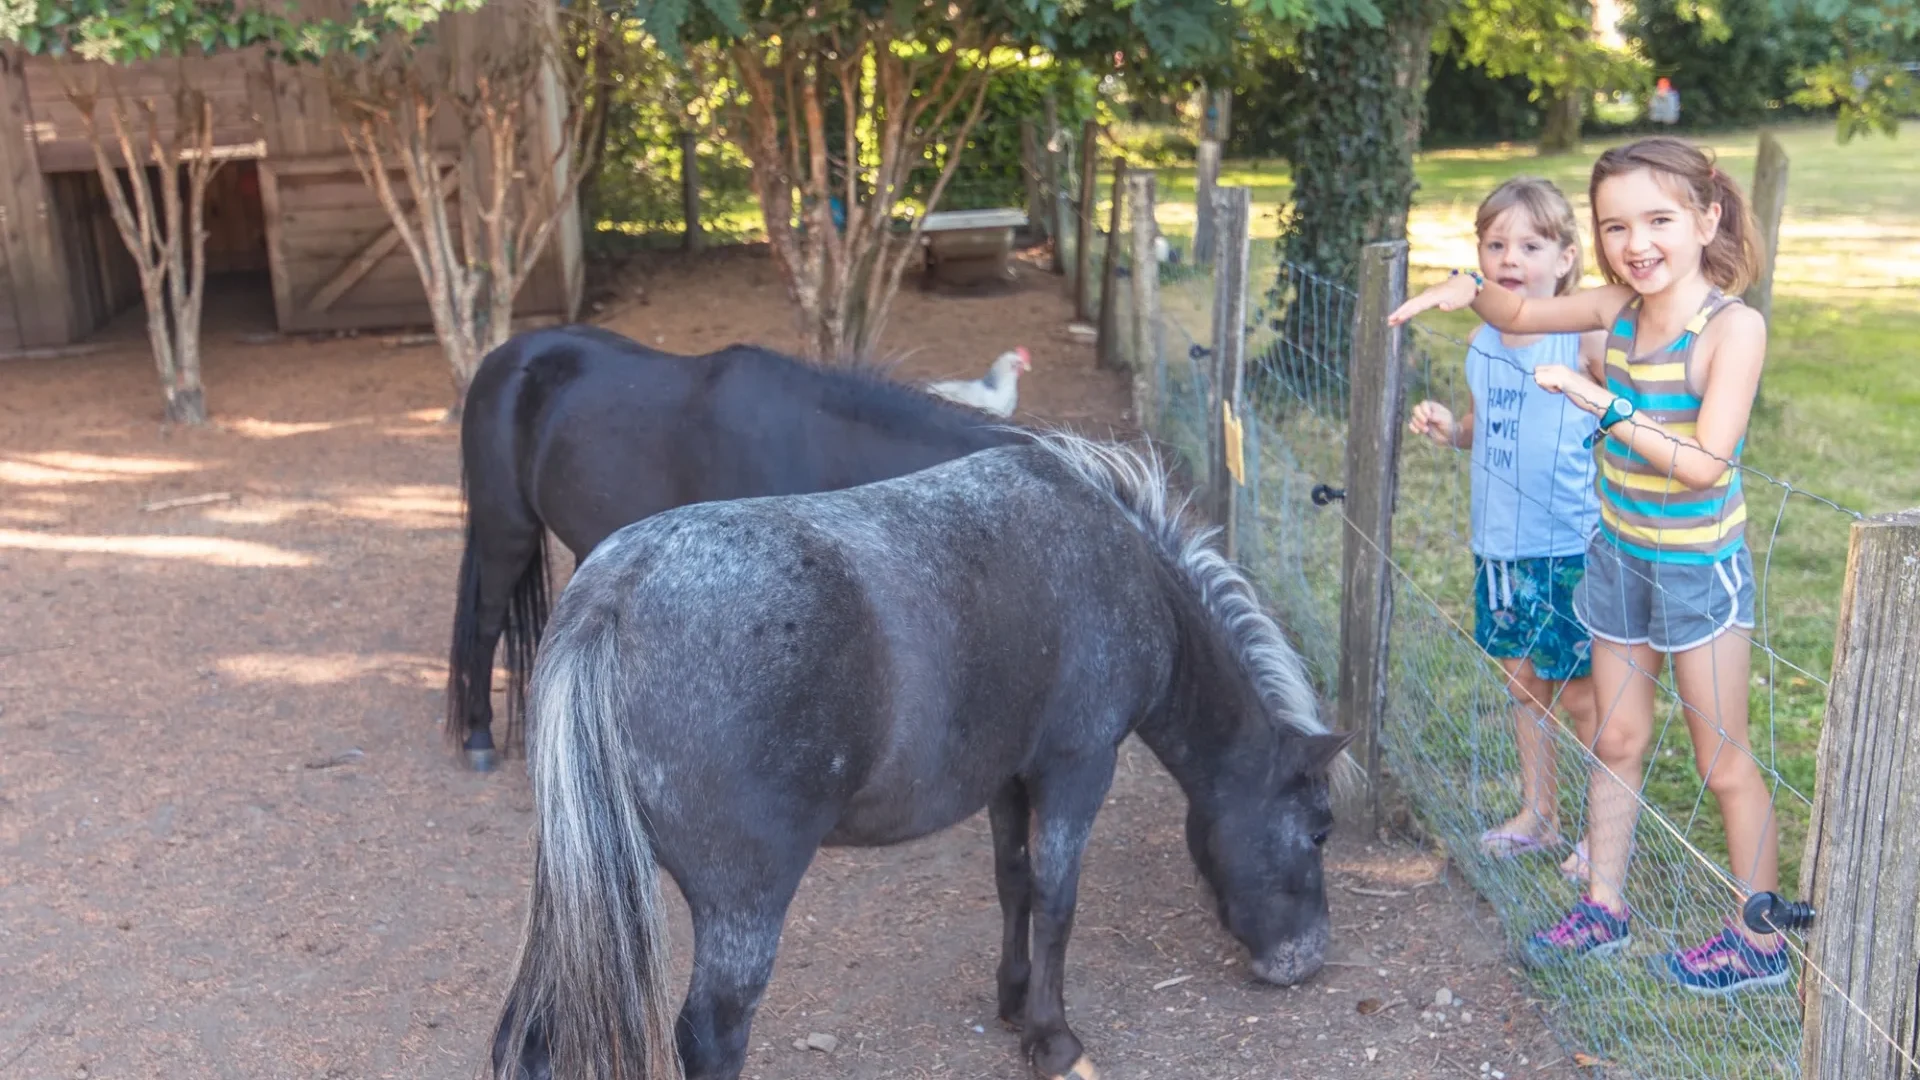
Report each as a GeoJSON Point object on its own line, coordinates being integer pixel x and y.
{"type": "Point", "coordinates": [897, 101]}
{"type": "Point", "coordinates": [485, 176]}
{"type": "Point", "coordinates": [164, 229]}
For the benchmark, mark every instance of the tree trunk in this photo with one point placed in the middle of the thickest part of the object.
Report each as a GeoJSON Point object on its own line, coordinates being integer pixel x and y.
{"type": "Point", "coordinates": [843, 279]}
{"type": "Point", "coordinates": [1362, 109]}
{"type": "Point", "coordinates": [512, 188]}
{"type": "Point", "coordinates": [1560, 126]}
{"type": "Point", "coordinates": [167, 241]}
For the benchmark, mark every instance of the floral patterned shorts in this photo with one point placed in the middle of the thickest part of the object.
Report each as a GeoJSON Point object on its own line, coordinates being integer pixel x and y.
{"type": "Point", "coordinates": [1524, 608]}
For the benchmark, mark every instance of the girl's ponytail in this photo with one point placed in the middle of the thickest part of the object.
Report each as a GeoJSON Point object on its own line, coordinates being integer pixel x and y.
{"type": "Point", "coordinates": [1731, 260]}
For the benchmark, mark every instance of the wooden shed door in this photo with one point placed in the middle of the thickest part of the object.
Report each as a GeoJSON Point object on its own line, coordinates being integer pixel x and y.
{"type": "Point", "coordinates": [337, 262]}
{"type": "Point", "coordinates": [10, 338]}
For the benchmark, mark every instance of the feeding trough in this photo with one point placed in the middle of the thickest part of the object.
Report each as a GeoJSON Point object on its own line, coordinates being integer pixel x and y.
{"type": "Point", "coordinates": [965, 247]}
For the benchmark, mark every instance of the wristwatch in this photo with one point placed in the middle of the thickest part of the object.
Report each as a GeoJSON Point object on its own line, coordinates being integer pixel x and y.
{"type": "Point", "coordinates": [1617, 410]}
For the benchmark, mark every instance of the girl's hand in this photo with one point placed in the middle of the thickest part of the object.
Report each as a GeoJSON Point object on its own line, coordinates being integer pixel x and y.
{"type": "Point", "coordinates": [1435, 421]}
{"type": "Point", "coordinates": [1582, 391]}
{"type": "Point", "coordinates": [1450, 295]}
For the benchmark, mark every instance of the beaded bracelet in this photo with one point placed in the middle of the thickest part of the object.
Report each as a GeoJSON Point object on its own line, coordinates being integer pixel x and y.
{"type": "Point", "coordinates": [1478, 281]}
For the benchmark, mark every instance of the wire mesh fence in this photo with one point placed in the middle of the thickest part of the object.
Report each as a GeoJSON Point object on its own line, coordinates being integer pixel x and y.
{"type": "Point", "coordinates": [1458, 743]}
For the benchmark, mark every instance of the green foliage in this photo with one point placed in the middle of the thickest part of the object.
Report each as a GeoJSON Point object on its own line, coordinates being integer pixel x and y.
{"type": "Point", "coordinates": [1170, 34]}
{"type": "Point", "coordinates": [993, 175]}
{"type": "Point", "coordinates": [1548, 42]}
{"type": "Point", "coordinates": [1869, 96]}
{"type": "Point", "coordinates": [122, 32]}
{"type": "Point", "coordinates": [1466, 105]}
{"type": "Point", "coordinates": [1356, 118]}
{"type": "Point", "coordinates": [1733, 61]}
{"type": "Point", "coordinates": [1861, 76]}
{"type": "Point", "coordinates": [653, 99]}
{"type": "Point", "coordinates": [125, 31]}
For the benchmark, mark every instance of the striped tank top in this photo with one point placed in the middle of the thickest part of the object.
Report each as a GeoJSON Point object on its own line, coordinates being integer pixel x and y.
{"type": "Point", "coordinates": [1644, 510]}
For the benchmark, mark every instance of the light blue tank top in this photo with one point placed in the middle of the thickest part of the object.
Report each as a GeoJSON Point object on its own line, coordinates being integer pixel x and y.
{"type": "Point", "coordinates": [1532, 492]}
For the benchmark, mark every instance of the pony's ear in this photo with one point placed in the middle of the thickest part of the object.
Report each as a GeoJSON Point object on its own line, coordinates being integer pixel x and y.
{"type": "Point", "coordinates": [1320, 751]}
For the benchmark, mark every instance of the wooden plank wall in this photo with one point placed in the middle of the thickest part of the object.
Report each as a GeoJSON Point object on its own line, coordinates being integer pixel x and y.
{"type": "Point", "coordinates": [102, 279]}
{"type": "Point", "coordinates": [316, 213]}
{"type": "Point", "coordinates": [320, 214]}
{"type": "Point", "coordinates": [37, 279]}
{"type": "Point", "coordinates": [60, 133]}
{"type": "Point", "coordinates": [9, 306]}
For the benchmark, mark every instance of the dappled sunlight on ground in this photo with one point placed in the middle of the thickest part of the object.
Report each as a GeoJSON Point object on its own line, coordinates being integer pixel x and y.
{"type": "Point", "coordinates": [53, 468]}
{"type": "Point", "coordinates": [210, 550]}
{"type": "Point", "coordinates": [404, 506]}
{"type": "Point", "coordinates": [275, 429]}
{"type": "Point", "coordinates": [253, 428]}
{"type": "Point", "coordinates": [322, 669]}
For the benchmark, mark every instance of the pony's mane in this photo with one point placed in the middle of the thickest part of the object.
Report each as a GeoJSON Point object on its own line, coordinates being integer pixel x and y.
{"type": "Point", "coordinates": [1137, 481]}
{"type": "Point", "coordinates": [865, 385]}
{"type": "Point", "coordinates": [861, 385]}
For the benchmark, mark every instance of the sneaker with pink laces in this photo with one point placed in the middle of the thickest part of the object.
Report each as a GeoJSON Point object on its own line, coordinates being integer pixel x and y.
{"type": "Point", "coordinates": [1726, 963]}
{"type": "Point", "coordinates": [1588, 931]}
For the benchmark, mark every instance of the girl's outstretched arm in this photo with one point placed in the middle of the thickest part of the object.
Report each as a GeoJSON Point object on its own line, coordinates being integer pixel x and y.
{"type": "Point", "coordinates": [1510, 313]}
{"type": "Point", "coordinates": [1593, 355]}
{"type": "Point", "coordinates": [1726, 404]}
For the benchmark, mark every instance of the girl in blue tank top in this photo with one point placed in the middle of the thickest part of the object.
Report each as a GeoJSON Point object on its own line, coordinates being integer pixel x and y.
{"type": "Point", "coordinates": [1533, 502]}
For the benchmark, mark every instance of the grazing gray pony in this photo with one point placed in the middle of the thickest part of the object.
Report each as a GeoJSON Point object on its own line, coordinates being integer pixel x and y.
{"type": "Point", "coordinates": [726, 687]}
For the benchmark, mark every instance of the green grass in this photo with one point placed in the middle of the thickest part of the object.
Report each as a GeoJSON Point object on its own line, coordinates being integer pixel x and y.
{"type": "Point", "coordinates": [1851, 228]}
{"type": "Point", "coordinates": [1836, 418]}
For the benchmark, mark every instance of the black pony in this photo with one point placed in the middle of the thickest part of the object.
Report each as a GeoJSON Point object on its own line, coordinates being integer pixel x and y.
{"type": "Point", "coordinates": [729, 686]}
{"type": "Point", "coordinates": [581, 431]}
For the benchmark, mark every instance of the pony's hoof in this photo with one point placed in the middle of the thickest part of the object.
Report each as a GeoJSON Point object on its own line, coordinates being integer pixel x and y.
{"type": "Point", "coordinates": [482, 760]}
{"type": "Point", "coordinates": [1082, 1070]}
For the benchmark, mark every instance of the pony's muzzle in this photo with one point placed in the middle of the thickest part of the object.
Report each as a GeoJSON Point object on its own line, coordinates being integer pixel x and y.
{"type": "Point", "coordinates": [1293, 961]}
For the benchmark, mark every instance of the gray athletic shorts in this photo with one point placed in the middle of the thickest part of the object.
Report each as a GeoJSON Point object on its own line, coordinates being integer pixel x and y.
{"type": "Point", "coordinates": [1671, 606]}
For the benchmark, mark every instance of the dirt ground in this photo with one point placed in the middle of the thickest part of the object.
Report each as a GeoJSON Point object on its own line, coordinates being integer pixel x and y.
{"type": "Point", "coordinates": [233, 844]}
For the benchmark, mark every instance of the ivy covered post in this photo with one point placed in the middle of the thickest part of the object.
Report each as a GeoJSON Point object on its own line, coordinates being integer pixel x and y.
{"type": "Point", "coordinates": [141, 156]}
{"type": "Point", "coordinates": [1360, 117]}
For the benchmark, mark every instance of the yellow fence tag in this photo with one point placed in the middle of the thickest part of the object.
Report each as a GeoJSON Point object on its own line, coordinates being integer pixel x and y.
{"type": "Point", "coordinates": [1236, 463]}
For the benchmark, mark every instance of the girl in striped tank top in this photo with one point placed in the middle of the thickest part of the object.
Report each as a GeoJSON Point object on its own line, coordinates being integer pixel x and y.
{"type": "Point", "coordinates": [1668, 570]}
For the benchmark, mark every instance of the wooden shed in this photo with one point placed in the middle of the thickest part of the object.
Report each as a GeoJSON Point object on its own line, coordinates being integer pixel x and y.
{"type": "Point", "coordinates": [289, 205]}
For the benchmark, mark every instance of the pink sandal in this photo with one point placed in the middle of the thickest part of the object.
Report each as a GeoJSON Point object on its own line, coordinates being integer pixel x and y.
{"type": "Point", "coordinates": [1509, 844]}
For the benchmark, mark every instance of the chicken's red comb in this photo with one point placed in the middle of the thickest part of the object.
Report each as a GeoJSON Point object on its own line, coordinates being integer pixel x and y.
{"type": "Point", "coordinates": [1026, 358]}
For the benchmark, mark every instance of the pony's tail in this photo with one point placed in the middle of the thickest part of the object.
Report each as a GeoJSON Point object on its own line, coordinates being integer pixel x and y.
{"type": "Point", "coordinates": [591, 977]}
{"type": "Point", "coordinates": [464, 693]}
{"type": "Point", "coordinates": [527, 608]}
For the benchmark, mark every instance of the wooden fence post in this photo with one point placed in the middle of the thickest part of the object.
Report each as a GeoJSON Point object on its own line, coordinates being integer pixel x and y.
{"type": "Point", "coordinates": [1106, 348]}
{"type": "Point", "coordinates": [690, 188]}
{"type": "Point", "coordinates": [1862, 867]}
{"type": "Point", "coordinates": [1055, 227]}
{"type": "Point", "coordinates": [1031, 154]}
{"type": "Point", "coordinates": [1233, 213]}
{"type": "Point", "coordinates": [1219, 115]}
{"type": "Point", "coordinates": [1375, 374]}
{"type": "Point", "coordinates": [1206, 177]}
{"type": "Point", "coordinates": [1769, 201]}
{"type": "Point", "coordinates": [1083, 237]}
{"type": "Point", "coordinates": [1146, 302]}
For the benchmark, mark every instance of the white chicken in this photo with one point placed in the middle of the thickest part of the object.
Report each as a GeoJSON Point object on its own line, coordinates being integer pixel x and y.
{"type": "Point", "coordinates": [995, 392]}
